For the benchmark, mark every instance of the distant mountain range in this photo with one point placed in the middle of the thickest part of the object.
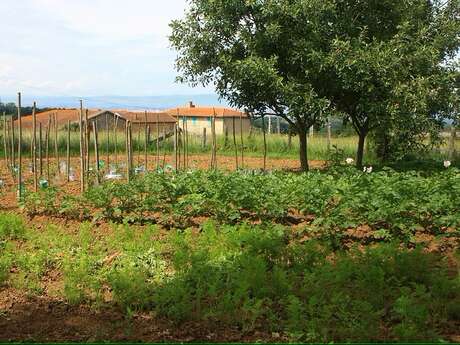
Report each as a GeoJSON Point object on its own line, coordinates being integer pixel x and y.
{"type": "Point", "coordinates": [120, 102]}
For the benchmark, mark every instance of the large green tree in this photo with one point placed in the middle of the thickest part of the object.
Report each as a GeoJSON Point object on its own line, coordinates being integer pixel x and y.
{"type": "Point", "coordinates": [372, 61]}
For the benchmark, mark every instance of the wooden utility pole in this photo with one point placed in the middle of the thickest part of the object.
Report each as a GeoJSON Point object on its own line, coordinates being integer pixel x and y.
{"type": "Point", "coordinates": [19, 148]}
{"type": "Point", "coordinates": [234, 142]}
{"type": "Point", "coordinates": [68, 152]}
{"type": "Point", "coordinates": [47, 148]}
{"type": "Point", "coordinates": [96, 150]}
{"type": "Point", "coordinates": [40, 151]}
{"type": "Point", "coordinates": [158, 141]}
{"type": "Point", "coordinates": [82, 158]}
{"type": "Point", "coordinates": [34, 146]}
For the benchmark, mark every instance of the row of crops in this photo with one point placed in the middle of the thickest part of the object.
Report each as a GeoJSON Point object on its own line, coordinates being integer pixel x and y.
{"type": "Point", "coordinates": [390, 203]}
{"type": "Point", "coordinates": [249, 278]}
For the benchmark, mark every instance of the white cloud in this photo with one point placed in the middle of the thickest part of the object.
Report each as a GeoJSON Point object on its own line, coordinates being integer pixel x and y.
{"type": "Point", "coordinates": [88, 47]}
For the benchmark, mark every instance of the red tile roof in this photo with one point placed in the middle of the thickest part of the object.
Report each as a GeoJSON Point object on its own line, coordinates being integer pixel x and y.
{"type": "Point", "coordinates": [205, 112]}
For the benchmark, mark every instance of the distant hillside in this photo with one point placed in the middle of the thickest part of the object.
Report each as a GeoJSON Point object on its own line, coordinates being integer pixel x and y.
{"type": "Point", "coordinates": [133, 102]}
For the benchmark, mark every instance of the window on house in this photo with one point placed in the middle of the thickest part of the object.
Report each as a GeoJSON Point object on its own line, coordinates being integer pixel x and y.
{"type": "Point", "coordinates": [193, 119]}
{"type": "Point", "coordinates": [209, 119]}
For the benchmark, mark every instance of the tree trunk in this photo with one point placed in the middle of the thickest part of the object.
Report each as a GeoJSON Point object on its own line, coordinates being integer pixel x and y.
{"type": "Point", "coordinates": [303, 149]}
{"type": "Point", "coordinates": [360, 152]}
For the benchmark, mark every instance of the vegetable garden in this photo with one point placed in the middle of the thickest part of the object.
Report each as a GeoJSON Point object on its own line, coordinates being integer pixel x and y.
{"type": "Point", "coordinates": [329, 255]}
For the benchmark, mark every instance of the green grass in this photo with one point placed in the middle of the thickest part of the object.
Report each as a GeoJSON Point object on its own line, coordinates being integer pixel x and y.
{"type": "Point", "coordinates": [277, 146]}
{"type": "Point", "coordinates": [254, 278]}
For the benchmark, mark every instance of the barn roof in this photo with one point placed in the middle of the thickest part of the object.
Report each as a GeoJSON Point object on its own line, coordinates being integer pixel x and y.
{"type": "Point", "coordinates": [63, 115]}
{"type": "Point", "coordinates": [195, 111]}
{"type": "Point", "coordinates": [139, 116]}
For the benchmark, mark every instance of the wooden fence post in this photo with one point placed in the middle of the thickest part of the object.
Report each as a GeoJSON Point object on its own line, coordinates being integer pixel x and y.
{"type": "Point", "coordinates": [19, 148]}
{"type": "Point", "coordinates": [68, 152]}
{"type": "Point", "coordinates": [242, 142]}
{"type": "Point", "coordinates": [5, 145]}
{"type": "Point", "coordinates": [158, 141]}
{"type": "Point", "coordinates": [13, 143]}
{"type": "Point", "coordinates": [234, 142]}
{"type": "Point", "coordinates": [130, 146]}
{"type": "Point", "coordinates": [453, 138]}
{"type": "Point", "coordinates": [175, 147]}
{"type": "Point", "coordinates": [289, 139]}
{"type": "Point", "coordinates": [82, 158]}
{"type": "Point", "coordinates": [145, 142]}
{"type": "Point", "coordinates": [56, 144]}
{"type": "Point", "coordinates": [214, 138]}
{"type": "Point", "coordinates": [115, 139]}
{"type": "Point", "coordinates": [40, 151]}
{"type": "Point", "coordinates": [96, 150]}
{"type": "Point", "coordinates": [47, 148]}
{"type": "Point", "coordinates": [34, 146]}
{"type": "Point", "coordinates": [203, 145]}
{"type": "Point", "coordinates": [265, 142]}
{"type": "Point", "coordinates": [86, 146]}
{"type": "Point", "coordinates": [8, 145]}
{"type": "Point", "coordinates": [127, 150]}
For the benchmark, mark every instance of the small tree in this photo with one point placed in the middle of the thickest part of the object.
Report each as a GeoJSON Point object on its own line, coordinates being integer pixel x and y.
{"type": "Point", "coordinates": [253, 56]}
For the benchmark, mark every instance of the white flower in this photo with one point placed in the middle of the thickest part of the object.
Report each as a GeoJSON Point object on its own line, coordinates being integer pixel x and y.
{"type": "Point", "coordinates": [350, 161]}
{"type": "Point", "coordinates": [367, 170]}
{"type": "Point", "coordinates": [447, 164]}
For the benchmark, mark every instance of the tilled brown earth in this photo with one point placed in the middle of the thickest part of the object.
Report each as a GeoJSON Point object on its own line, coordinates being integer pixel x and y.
{"type": "Point", "coordinates": [45, 319]}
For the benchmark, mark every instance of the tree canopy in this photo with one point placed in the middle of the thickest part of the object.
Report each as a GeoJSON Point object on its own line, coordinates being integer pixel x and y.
{"type": "Point", "coordinates": [378, 63]}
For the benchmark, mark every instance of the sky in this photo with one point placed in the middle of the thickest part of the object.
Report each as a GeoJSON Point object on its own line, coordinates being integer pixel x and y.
{"type": "Point", "coordinates": [89, 48]}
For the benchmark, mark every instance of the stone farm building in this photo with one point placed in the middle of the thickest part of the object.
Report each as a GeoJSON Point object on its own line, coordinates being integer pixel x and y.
{"type": "Point", "coordinates": [104, 118]}
{"type": "Point", "coordinates": [200, 117]}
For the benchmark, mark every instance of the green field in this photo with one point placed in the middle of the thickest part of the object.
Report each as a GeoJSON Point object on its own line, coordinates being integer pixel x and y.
{"type": "Point", "coordinates": [277, 146]}
{"type": "Point", "coordinates": [337, 255]}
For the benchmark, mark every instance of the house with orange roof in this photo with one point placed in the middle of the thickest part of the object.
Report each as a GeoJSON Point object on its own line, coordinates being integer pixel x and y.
{"type": "Point", "coordinates": [198, 118]}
